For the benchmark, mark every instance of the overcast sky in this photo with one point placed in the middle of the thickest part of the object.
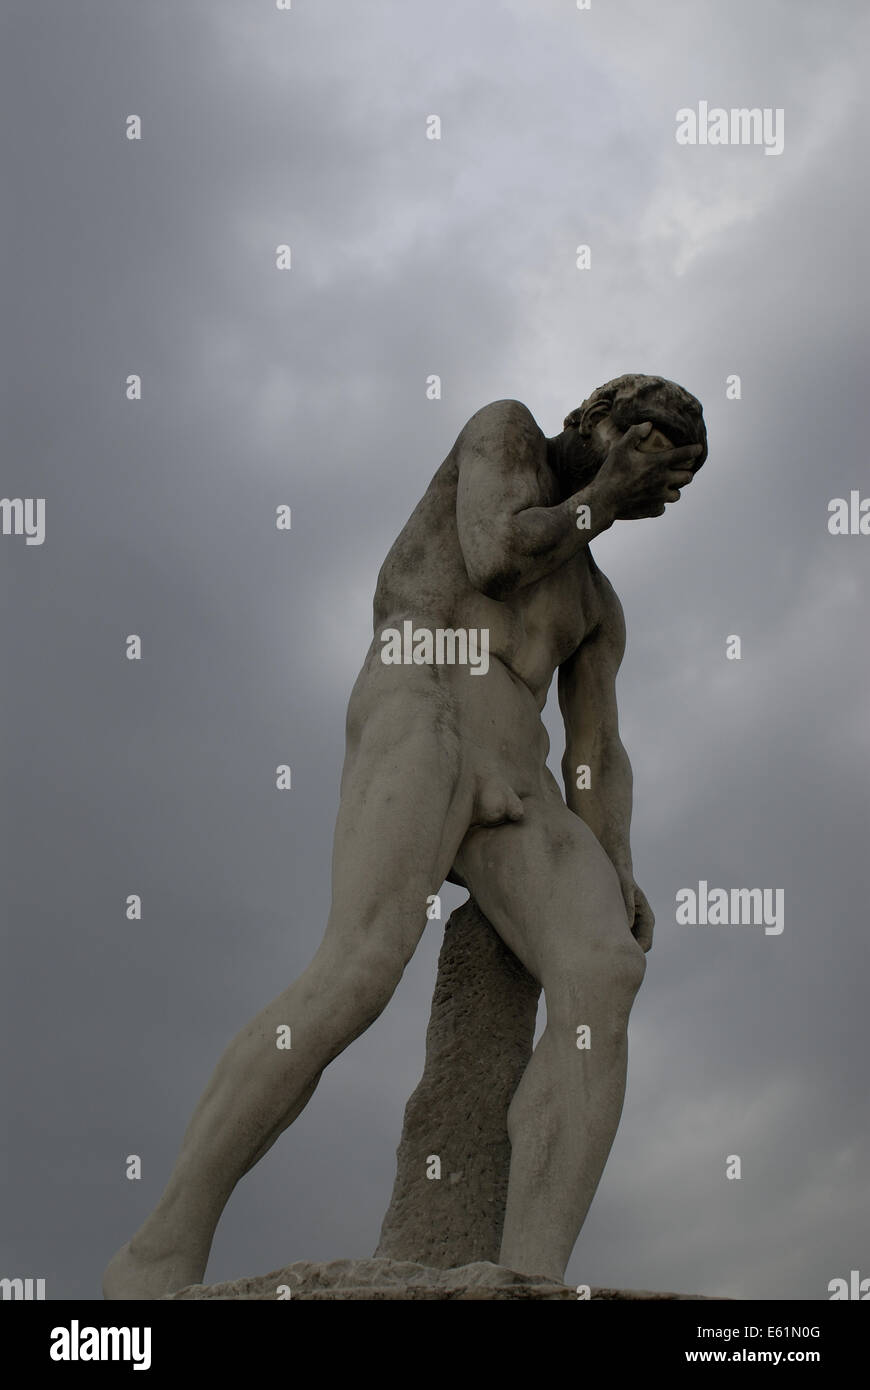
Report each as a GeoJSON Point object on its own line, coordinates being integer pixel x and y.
{"type": "Point", "coordinates": [410, 257]}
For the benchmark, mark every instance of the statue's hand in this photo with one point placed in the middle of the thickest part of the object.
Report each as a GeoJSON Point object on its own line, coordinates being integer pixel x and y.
{"type": "Point", "coordinates": [641, 479]}
{"type": "Point", "coordinates": [644, 920]}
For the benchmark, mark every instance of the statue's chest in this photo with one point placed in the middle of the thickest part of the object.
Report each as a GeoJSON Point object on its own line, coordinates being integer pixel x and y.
{"type": "Point", "coordinates": [559, 611]}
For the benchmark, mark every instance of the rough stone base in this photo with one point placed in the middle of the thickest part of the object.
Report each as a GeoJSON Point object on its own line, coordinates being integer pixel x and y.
{"type": "Point", "coordinates": [385, 1279]}
{"type": "Point", "coordinates": [478, 1045]}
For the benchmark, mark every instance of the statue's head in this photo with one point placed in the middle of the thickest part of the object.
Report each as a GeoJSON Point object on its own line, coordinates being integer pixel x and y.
{"type": "Point", "coordinates": [629, 400]}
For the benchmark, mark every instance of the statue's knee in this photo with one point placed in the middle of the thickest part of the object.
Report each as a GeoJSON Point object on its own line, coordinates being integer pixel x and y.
{"type": "Point", "coordinates": [603, 980]}
{"type": "Point", "coordinates": [622, 967]}
{"type": "Point", "coordinates": [631, 966]}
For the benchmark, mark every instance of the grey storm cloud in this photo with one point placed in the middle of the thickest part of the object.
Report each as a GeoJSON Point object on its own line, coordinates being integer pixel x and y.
{"type": "Point", "coordinates": [410, 258]}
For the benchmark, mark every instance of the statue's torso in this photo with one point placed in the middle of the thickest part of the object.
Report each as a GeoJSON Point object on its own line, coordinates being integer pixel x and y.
{"type": "Point", "coordinates": [532, 631]}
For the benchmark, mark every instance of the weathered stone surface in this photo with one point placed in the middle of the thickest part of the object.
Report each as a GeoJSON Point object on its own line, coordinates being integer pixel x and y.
{"type": "Point", "coordinates": [478, 1042]}
{"type": "Point", "coordinates": [436, 756]}
{"type": "Point", "coordinates": [382, 1279]}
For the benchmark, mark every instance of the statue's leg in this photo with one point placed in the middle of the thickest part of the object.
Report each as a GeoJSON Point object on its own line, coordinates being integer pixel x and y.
{"type": "Point", "coordinates": [552, 894]}
{"type": "Point", "coordinates": [399, 824]}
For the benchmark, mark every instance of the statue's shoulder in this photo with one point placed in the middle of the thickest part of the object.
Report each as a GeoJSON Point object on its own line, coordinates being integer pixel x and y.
{"type": "Point", "coordinates": [501, 424]}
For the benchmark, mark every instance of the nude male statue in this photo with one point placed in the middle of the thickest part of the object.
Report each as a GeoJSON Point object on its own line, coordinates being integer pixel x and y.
{"type": "Point", "coordinates": [445, 777]}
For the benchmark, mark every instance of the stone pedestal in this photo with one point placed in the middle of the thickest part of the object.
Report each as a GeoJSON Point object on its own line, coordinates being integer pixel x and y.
{"type": "Point", "coordinates": [478, 1043]}
{"type": "Point", "coordinates": [381, 1280]}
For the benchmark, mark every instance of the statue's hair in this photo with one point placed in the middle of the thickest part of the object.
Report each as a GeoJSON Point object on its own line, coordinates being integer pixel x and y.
{"type": "Point", "coordinates": [631, 399]}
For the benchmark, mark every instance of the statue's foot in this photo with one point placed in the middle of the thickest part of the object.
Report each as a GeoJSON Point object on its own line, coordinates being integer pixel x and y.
{"type": "Point", "coordinates": [485, 1272]}
{"type": "Point", "coordinates": [130, 1276]}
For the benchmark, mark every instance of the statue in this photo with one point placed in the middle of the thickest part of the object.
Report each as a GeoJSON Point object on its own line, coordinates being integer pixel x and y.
{"type": "Point", "coordinates": [489, 590]}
